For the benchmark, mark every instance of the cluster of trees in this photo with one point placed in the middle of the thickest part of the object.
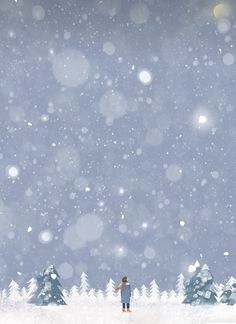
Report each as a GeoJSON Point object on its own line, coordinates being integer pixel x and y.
{"type": "Point", "coordinates": [46, 289]}
{"type": "Point", "coordinates": [202, 289]}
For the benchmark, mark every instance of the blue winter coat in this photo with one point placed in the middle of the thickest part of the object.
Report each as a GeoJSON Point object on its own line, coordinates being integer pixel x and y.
{"type": "Point", "coordinates": [125, 293]}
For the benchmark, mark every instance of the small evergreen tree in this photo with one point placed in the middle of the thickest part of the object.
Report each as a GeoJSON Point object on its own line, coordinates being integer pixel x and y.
{"type": "Point", "coordinates": [14, 291]}
{"type": "Point", "coordinates": [172, 296]}
{"type": "Point", "coordinates": [180, 286]}
{"type": "Point", "coordinates": [110, 290]}
{"type": "Point", "coordinates": [31, 287]}
{"type": "Point", "coordinates": [136, 294]}
{"type": "Point", "coordinates": [48, 289]}
{"type": "Point", "coordinates": [200, 289]}
{"type": "Point", "coordinates": [229, 295]}
{"type": "Point", "coordinates": [100, 295]}
{"type": "Point", "coordinates": [74, 292]}
{"type": "Point", "coordinates": [84, 285]}
{"type": "Point", "coordinates": [230, 282]}
{"type": "Point", "coordinates": [4, 294]}
{"type": "Point", "coordinates": [92, 295]}
{"type": "Point", "coordinates": [219, 291]}
{"type": "Point", "coordinates": [144, 293]}
{"type": "Point", "coordinates": [164, 297]}
{"type": "Point", "coordinates": [154, 292]}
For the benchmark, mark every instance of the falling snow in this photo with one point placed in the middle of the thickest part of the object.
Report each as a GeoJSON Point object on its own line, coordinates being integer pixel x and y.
{"type": "Point", "coordinates": [118, 138]}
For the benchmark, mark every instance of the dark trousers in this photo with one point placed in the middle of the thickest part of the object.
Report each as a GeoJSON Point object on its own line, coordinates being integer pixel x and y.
{"type": "Point", "coordinates": [126, 304]}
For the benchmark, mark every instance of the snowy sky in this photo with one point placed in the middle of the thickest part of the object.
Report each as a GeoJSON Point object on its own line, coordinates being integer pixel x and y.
{"type": "Point", "coordinates": [118, 139]}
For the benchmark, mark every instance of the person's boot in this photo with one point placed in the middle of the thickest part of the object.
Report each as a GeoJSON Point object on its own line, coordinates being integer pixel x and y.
{"type": "Point", "coordinates": [128, 310]}
{"type": "Point", "coordinates": [123, 310]}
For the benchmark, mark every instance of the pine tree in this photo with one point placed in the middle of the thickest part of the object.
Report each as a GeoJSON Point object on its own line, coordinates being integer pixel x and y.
{"type": "Point", "coordinates": [136, 294]}
{"type": "Point", "coordinates": [231, 281]}
{"type": "Point", "coordinates": [84, 285]}
{"type": "Point", "coordinates": [172, 296]}
{"type": "Point", "coordinates": [164, 297]}
{"type": "Point", "coordinates": [229, 295]}
{"type": "Point", "coordinates": [100, 295]}
{"type": "Point", "coordinates": [144, 293]}
{"type": "Point", "coordinates": [219, 291]}
{"type": "Point", "coordinates": [180, 286]}
{"type": "Point", "coordinates": [4, 294]}
{"type": "Point", "coordinates": [14, 291]}
{"type": "Point", "coordinates": [92, 295]}
{"type": "Point", "coordinates": [110, 290]}
{"type": "Point", "coordinates": [31, 287]}
{"type": "Point", "coordinates": [200, 289]}
{"type": "Point", "coordinates": [154, 292]}
{"type": "Point", "coordinates": [48, 289]}
{"type": "Point", "coordinates": [74, 292]}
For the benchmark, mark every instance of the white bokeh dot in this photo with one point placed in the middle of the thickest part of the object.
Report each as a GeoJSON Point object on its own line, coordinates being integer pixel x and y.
{"type": "Point", "coordinates": [145, 76]}
{"type": "Point", "coordinates": [12, 171]}
{"type": "Point", "coordinates": [45, 236]}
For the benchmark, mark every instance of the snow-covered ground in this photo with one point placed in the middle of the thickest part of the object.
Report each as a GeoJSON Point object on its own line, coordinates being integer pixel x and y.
{"type": "Point", "coordinates": [105, 312]}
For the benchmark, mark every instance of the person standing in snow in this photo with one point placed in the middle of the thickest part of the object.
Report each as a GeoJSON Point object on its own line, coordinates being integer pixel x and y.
{"type": "Point", "coordinates": [125, 291]}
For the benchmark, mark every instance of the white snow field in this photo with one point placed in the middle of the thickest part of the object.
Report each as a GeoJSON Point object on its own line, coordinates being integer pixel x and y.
{"type": "Point", "coordinates": [106, 312]}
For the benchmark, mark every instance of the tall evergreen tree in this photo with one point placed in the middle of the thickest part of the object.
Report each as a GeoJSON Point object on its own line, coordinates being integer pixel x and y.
{"type": "Point", "coordinates": [110, 290]}
{"type": "Point", "coordinates": [74, 292]}
{"type": "Point", "coordinates": [180, 286]}
{"type": "Point", "coordinates": [14, 291]}
{"type": "Point", "coordinates": [84, 285]}
{"type": "Point", "coordinates": [31, 287]}
{"type": "Point", "coordinates": [92, 294]}
{"type": "Point", "coordinates": [136, 294]}
{"type": "Point", "coordinates": [100, 295]}
{"type": "Point", "coordinates": [154, 292]}
{"type": "Point", "coordinates": [48, 289]}
{"type": "Point", "coordinates": [144, 293]}
{"type": "Point", "coordinates": [200, 289]}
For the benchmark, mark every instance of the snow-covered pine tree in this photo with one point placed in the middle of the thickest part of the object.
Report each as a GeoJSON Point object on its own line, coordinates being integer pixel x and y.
{"type": "Point", "coordinates": [180, 286]}
{"type": "Point", "coordinates": [31, 287]}
{"type": "Point", "coordinates": [4, 294]}
{"type": "Point", "coordinates": [100, 295]}
{"type": "Point", "coordinates": [136, 294]}
{"type": "Point", "coordinates": [84, 285]}
{"type": "Point", "coordinates": [92, 295]}
{"type": "Point", "coordinates": [229, 295]}
{"type": "Point", "coordinates": [200, 289]}
{"type": "Point", "coordinates": [74, 292]}
{"type": "Point", "coordinates": [144, 293]}
{"type": "Point", "coordinates": [14, 291]}
{"type": "Point", "coordinates": [110, 290]}
{"type": "Point", "coordinates": [164, 297]}
{"type": "Point", "coordinates": [219, 291]}
{"type": "Point", "coordinates": [154, 292]}
{"type": "Point", "coordinates": [48, 289]}
{"type": "Point", "coordinates": [231, 281]}
{"type": "Point", "coordinates": [172, 296]}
